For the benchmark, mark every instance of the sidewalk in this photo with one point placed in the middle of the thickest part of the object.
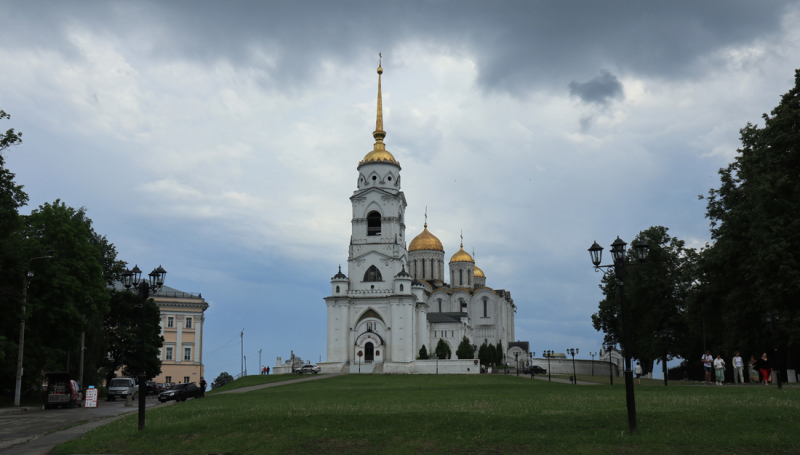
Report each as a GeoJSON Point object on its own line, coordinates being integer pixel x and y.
{"type": "Point", "coordinates": [275, 384]}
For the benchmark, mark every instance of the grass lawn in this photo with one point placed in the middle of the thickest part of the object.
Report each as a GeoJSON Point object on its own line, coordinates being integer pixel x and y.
{"type": "Point", "coordinates": [400, 414]}
{"type": "Point", "coordinates": [248, 381]}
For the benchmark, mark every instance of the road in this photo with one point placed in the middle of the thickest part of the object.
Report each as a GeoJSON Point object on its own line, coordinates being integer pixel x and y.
{"type": "Point", "coordinates": [22, 431]}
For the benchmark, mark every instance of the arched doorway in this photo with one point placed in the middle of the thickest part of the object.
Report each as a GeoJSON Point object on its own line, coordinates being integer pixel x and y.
{"type": "Point", "coordinates": [369, 353]}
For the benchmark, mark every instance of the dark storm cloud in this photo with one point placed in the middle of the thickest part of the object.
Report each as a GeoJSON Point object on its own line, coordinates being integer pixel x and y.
{"type": "Point", "coordinates": [599, 90]}
{"type": "Point", "coordinates": [517, 45]}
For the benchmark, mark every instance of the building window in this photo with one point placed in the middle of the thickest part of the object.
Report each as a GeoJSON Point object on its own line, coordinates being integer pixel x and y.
{"type": "Point", "coordinates": [401, 288]}
{"type": "Point", "coordinates": [187, 353]}
{"type": "Point", "coordinates": [423, 269]}
{"type": "Point", "coordinates": [168, 379]}
{"type": "Point", "coordinates": [337, 289]}
{"type": "Point", "coordinates": [186, 379]}
{"type": "Point", "coordinates": [373, 274]}
{"type": "Point", "coordinates": [170, 322]}
{"type": "Point", "coordinates": [440, 305]}
{"type": "Point", "coordinates": [485, 308]}
{"type": "Point", "coordinates": [374, 223]}
{"type": "Point", "coordinates": [188, 323]}
{"type": "Point", "coordinates": [461, 278]}
{"type": "Point", "coordinates": [169, 354]}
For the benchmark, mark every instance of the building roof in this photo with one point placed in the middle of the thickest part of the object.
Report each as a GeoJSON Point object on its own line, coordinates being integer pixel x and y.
{"type": "Point", "coordinates": [520, 344]}
{"type": "Point", "coordinates": [165, 291]}
{"type": "Point", "coordinates": [426, 241]}
{"type": "Point", "coordinates": [445, 317]}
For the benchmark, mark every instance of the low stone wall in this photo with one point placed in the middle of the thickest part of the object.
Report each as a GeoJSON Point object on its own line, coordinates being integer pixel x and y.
{"type": "Point", "coordinates": [283, 369]}
{"type": "Point", "coordinates": [564, 366]}
{"type": "Point", "coordinates": [451, 366]}
{"type": "Point", "coordinates": [330, 367]}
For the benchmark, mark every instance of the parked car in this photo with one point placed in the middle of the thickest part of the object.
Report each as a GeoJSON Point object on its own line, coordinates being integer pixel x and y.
{"type": "Point", "coordinates": [180, 392]}
{"type": "Point", "coordinates": [152, 388]}
{"type": "Point", "coordinates": [313, 369]}
{"type": "Point", "coordinates": [536, 370]}
{"type": "Point", "coordinates": [161, 387]}
{"type": "Point", "coordinates": [62, 391]}
{"type": "Point", "coordinates": [121, 388]}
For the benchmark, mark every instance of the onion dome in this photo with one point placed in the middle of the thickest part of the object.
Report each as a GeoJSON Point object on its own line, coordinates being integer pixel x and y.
{"type": "Point", "coordinates": [425, 241]}
{"type": "Point", "coordinates": [461, 256]}
{"type": "Point", "coordinates": [379, 154]}
{"type": "Point", "coordinates": [478, 273]}
{"type": "Point", "coordinates": [340, 275]}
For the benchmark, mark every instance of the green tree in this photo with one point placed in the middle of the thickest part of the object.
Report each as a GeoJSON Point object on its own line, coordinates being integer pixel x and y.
{"type": "Point", "coordinates": [123, 328]}
{"type": "Point", "coordinates": [222, 379]}
{"type": "Point", "coordinates": [423, 353]}
{"type": "Point", "coordinates": [753, 264]}
{"type": "Point", "coordinates": [464, 350]}
{"type": "Point", "coordinates": [493, 355]}
{"type": "Point", "coordinates": [499, 353]}
{"type": "Point", "coordinates": [484, 355]}
{"type": "Point", "coordinates": [443, 350]}
{"type": "Point", "coordinates": [656, 295]}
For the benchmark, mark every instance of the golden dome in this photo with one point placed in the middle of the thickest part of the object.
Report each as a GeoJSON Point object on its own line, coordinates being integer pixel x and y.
{"type": "Point", "coordinates": [425, 241]}
{"type": "Point", "coordinates": [478, 273]}
{"type": "Point", "coordinates": [378, 156]}
{"type": "Point", "coordinates": [462, 256]}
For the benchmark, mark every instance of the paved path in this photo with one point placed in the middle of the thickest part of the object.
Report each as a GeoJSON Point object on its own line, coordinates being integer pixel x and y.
{"type": "Point", "coordinates": [275, 384]}
{"type": "Point", "coordinates": [23, 431]}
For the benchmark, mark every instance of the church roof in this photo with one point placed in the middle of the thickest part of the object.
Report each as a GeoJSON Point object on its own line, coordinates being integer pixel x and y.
{"type": "Point", "coordinates": [478, 272]}
{"type": "Point", "coordinates": [425, 241]}
{"type": "Point", "coordinates": [379, 154]}
{"type": "Point", "coordinates": [462, 256]}
{"type": "Point", "coordinates": [340, 275]}
{"type": "Point", "coordinates": [520, 344]}
{"type": "Point", "coordinates": [445, 317]}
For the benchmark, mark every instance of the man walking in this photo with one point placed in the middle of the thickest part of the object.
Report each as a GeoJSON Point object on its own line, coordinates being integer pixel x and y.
{"type": "Point", "coordinates": [738, 369]}
{"type": "Point", "coordinates": [267, 370]}
{"type": "Point", "coordinates": [202, 387]}
{"type": "Point", "coordinates": [707, 360]}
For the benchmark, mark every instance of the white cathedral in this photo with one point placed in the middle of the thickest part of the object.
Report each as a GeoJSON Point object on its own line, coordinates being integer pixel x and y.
{"type": "Point", "coordinates": [396, 299]}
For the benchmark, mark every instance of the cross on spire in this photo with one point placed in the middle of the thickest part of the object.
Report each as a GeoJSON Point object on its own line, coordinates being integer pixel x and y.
{"type": "Point", "coordinates": [462, 238]}
{"type": "Point", "coordinates": [426, 216]}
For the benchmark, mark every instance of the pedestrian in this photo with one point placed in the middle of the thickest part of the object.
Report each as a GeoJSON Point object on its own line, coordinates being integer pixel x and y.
{"type": "Point", "coordinates": [719, 369]}
{"type": "Point", "coordinates": [751, 367]}
{"type": "Point", "coordinates": [765, 367]}
{"type": "Point", "coordinates": [203, 387]}
{"type": "Point", "coordinates": [264, 370]}
{"type": "Point", "coordinates": [638, 372]}
{"type": "Point", "coordinates": [268, 370]}
{"type": "Point", "coordinates": [707, 360]}
{"type": "Point", "coordinates": [738, 369]}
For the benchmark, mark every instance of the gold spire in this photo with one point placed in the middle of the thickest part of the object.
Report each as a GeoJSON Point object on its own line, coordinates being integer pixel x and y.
{"type": "Point", "coordinates": [379, 152]}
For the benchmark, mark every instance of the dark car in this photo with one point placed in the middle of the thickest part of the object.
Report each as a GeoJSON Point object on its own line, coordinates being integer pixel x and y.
{"type": "Point", "coordinates": [536, 370]}
{"type": "Point", "coordinates": [180, 392]}
{"type": "Point", "coordinates": [151, 387]}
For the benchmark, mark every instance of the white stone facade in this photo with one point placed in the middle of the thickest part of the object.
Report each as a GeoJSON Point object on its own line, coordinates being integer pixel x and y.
{"type": "Point", "coordinates": [392, 302]}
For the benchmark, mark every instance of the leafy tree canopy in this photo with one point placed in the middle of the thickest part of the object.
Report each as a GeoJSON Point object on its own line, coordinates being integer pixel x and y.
{"type": "Point", "coordinates": [465, 350]}
{"type": "Point", "coordinates": [443, 350]}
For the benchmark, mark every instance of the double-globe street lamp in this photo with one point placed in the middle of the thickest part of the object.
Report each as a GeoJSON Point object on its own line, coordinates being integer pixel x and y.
{"type": "Point", "coordinates": [548, 354]}
{"type": "Point", "coordinates": [620, 271]}
{"type": "Point", "coordinates": [133, 278]}
{"type": "Point", "coordinates": [572, 352]}
{"type": "Point", "coordinates": [532, 354]}
{"type": "Point", "coordinates": [28, 278]}
{"type": "Point", "coordinates": [516, 357]}
{"type": "Point", "coordinates": [592, 354]}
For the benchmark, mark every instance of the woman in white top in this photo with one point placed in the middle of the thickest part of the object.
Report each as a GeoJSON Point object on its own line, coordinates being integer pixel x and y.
{"type": "Point", "coordinates": [719, 369]}
{"type": "Point", "coordinates": [638, 372]}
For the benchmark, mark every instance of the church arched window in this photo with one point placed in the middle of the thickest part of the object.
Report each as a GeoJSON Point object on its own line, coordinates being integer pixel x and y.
{"type": "Point", "coordinates": [461, 278]}
{"type": "Point", "coordinates": [374, 223]}
{"type": "Point", "coordinates": [373, 274]}
{"type": "Point", "coordinates": [423, 269]}
{"type": "Point", "coordinates": [485, 308]}
{"type": "Point", "coordinates": [337, 289]}
{"type": "Point", "coordinates": [440, 305]}
{"type": "Point", "coordinates": [401, 288]}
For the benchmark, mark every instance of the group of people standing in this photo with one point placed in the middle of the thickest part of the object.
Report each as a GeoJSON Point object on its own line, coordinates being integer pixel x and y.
{"type": "Point", "coordinates": [264, 370]}
{"type": "Point", "coordinates": [759, 370]}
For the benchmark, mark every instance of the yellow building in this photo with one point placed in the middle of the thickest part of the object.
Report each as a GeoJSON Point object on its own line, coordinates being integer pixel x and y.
{"type": "Point", "coordinates": [182, 320]}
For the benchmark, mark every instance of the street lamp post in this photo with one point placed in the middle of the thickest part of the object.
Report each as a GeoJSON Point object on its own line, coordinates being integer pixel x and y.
{"type": "Point", "coordinates": [532, 355]}
{"type": "Point", "coordinates": [772, 317]}
{"type": "Point", "coordinates": [516, 357]}
{"type": "Point", "coordinates": [360, 353]}
{"type": "Point", "coordinates": [548, 354]}
{"type": "Point", "coordinates": [574, 374]}
{"type": "Point", "coordinates": [619, 270]}
{"type": "Point", "coordinates": [144, 289]}
{"type": "Point", "coordinates": [592, 354]}
{"type": "Point", "coordinates": [259, 362]}
{"type": "Point", "coordinates": [28, 278]}
{"type": "Point", "coordinates": [609, 349]}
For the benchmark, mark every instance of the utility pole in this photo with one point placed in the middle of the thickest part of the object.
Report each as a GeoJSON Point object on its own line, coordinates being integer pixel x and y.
{"type": "Point", "coordinates": [83, 339]}
{"type": "Point", "coordinates": [259, 361]}
{"type": "Point", "coordinates": [242, 351]}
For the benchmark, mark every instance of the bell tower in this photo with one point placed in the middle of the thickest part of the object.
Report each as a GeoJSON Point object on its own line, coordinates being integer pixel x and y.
{"type": "Point", "coordinates": [377, 244]}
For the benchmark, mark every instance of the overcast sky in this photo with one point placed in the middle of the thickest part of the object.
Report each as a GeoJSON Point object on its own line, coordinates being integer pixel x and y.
{"type": "Point", "coordinates": [221, 140]}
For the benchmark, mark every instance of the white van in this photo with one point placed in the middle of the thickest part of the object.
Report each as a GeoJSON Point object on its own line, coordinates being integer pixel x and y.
{"type": "Point", "coordinates": [120, 388]}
